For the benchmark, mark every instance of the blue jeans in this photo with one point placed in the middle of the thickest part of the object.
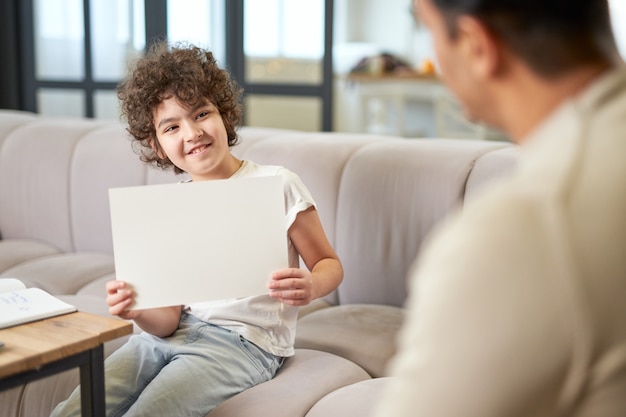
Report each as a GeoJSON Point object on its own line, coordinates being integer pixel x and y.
{"type": "Point", "coordinates": [186, 374]}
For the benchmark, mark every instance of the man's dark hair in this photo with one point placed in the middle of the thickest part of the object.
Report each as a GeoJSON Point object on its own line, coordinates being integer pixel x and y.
{"type": "Point", "coordinates": [551, 36]}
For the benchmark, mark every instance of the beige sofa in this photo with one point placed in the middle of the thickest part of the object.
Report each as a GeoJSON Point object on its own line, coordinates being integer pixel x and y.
{"type": "Point", "coordinates": [378, 197]}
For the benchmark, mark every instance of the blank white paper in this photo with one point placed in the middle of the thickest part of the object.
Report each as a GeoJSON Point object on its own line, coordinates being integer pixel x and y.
{"type": "Point", "coordinates": [201, 241]}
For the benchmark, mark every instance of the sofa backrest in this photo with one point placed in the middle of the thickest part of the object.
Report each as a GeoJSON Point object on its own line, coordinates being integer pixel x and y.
{"type": "Point", "coordinates": [319, 159]}
{"type": "Point", "coordinates": [378, 197]}
{"type": "Point", "coordinates": [54, 179]}
{"type": "Point", "coordinates": [392, 194]}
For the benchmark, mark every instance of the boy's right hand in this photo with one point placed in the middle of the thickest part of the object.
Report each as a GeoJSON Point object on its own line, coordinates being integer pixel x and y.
{"type": "Point", "coordinates": [119, 299]}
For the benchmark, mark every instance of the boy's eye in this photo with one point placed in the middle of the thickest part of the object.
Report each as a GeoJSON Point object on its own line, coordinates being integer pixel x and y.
{"type": "Point", "coordinates": [170, 129]}
{"type": "Point", "coordinates": [202, 114]}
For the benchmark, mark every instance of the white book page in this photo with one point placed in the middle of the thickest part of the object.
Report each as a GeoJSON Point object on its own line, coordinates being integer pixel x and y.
{"type": "Point", "coordinates": [11, 284]}
{"type": "Point", "coordinates": [191, 242]}
{"type": "Point", "coordinates": [30, 304]}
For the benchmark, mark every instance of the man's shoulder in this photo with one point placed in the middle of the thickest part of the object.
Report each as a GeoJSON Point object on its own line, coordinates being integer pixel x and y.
{"type": "Point", "coordinates": [507, 207]}
{"type": "Point", "coordinates": [503, 223]}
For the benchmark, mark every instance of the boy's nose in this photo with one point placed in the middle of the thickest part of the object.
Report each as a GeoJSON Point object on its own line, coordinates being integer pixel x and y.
{"type": "Point", "coordinates": [194, 133]}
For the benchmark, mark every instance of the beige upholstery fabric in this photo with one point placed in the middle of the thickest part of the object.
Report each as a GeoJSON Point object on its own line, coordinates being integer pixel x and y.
{"type": "Point", "coordinates": [10, 120]}
{"type": "Point", "coordinates": [301, 382]}
{"type": "Point", "coordinates": [36, 186]}
{"type": "Point", "coordinates": [362, 333]}
{"type": "Point", "coordinates": [492, 166]}
{"type": "Point", "coordinates": [16, 251]}
{"type": "Point", "coordinates": [10, 401]}
{"type": "Point", "coordinates": [392, 193]}
{"type": "Point", "coordinates": [65, 273]}
{"type": "Point", "coordinates": [356, 400]}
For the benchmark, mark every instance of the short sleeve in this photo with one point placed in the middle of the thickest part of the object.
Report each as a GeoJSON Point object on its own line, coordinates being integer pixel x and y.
{"type": "Point", "coordinates": [297, 196]}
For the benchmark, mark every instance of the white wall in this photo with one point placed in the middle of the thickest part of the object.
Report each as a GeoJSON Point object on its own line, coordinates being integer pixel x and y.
{"type": "Point", "coordinates": [368, 27]}
{"type": "Point", "coordinates": [618, 21]}
{"type": "Point", "coordinates": [381, 25]}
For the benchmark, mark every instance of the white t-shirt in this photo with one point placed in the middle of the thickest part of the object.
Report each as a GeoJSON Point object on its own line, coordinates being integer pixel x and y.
{"type": "Point", "coordinates": [263, 320]}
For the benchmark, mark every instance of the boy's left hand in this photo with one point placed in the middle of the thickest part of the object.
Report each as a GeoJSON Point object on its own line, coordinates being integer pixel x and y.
{"type": "Point", "coordinates": [293, 286]}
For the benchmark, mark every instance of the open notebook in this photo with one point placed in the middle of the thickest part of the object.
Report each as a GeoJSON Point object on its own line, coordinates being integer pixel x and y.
{"type": "Point", "coordinates": [19, 305]}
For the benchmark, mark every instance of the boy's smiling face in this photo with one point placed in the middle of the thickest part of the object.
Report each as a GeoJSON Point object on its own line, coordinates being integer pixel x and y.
{"type": "Point", "coordinates": [194, 139]}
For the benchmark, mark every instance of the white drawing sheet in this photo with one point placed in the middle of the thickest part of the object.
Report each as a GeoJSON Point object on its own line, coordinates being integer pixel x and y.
{"type": "Point", "coordinates": [200, 241]}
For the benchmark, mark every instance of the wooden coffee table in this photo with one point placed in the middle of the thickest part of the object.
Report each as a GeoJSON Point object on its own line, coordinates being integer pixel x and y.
{"type": "Point", "coordinates": [46, 347]}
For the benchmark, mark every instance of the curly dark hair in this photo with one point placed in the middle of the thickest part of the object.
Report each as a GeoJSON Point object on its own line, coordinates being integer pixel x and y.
{"type": "Point", "coordinates": [186, 72]}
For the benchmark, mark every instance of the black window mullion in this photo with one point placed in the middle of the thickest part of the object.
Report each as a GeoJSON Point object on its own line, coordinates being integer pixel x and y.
{"type": "Point", "coordinates": [286, 89]}
{"type": "Point", "coordinates": [87, 86]}
{"type": "Point", "coordinates": [9, 51]}
{"type": "Point", "coordinates": [327, 85]}
{"type": "Point", "coordinates": [235, 59]}
{"type": "Point", "coordinates": [156, 20]}
{"type": "Point", "coordinates": [27, 55]}
{"type": "Point", "coordinates": [60, 84]}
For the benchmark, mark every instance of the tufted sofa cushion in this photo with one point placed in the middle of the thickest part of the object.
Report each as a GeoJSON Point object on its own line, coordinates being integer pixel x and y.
{"type": "Point", "coordinates": [362, 333]}
{"type": "Point", "coordinates": [301, 382]}
{"type": "Point", "coordinates": [355, 400]}
{"type": "Point", "coordinates": [391, 195]}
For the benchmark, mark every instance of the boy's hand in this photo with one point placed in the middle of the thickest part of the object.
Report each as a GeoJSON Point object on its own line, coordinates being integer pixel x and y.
{"type": "Point", "coordinates": [119, 298]}
{"type": "Point", "coordinates": [161, 321]}
{"type": "Point", "coordinates": [293, 286]}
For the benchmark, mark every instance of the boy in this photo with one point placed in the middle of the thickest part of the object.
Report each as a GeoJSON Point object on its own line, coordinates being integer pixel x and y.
{"type": "Point", "coordinates": [182, 111]}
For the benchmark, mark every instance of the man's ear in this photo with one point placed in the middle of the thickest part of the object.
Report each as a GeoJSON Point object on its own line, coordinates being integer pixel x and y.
{"type": "Point", "coordinates": [481, 49]}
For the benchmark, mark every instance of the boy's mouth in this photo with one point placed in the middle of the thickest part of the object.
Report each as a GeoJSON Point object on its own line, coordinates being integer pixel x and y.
{"type": "Point", "coordinates": [198, 149]}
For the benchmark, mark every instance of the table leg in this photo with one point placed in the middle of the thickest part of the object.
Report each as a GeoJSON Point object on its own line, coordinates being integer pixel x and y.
{"type": "Point", "coordinates": [92, 384]}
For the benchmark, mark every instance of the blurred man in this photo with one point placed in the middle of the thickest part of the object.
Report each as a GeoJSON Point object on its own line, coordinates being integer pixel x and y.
{"type": "Point", "coordinates": [517, 306]}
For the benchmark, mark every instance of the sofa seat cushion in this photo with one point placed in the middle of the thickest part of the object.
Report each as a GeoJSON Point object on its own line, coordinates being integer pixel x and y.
{"type": "Point", "coordinates": [299, 384]}
{"type": "Point", "coordinates": [313, 306]}
{"type": "Point", "coordinates": [358, 400]}
{"type": "Point", "coordinates": [62, 273]}
{"type": "Point", "coordinates": [97, 287]}
{"type": "Point", "coordinates": [362, 333]}
{"type": "Point", "coordinates": [17, 251]}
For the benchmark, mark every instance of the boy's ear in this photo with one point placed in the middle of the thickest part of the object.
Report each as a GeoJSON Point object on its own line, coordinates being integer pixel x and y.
{"type": "Point", "coordinates": [154, 144]}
